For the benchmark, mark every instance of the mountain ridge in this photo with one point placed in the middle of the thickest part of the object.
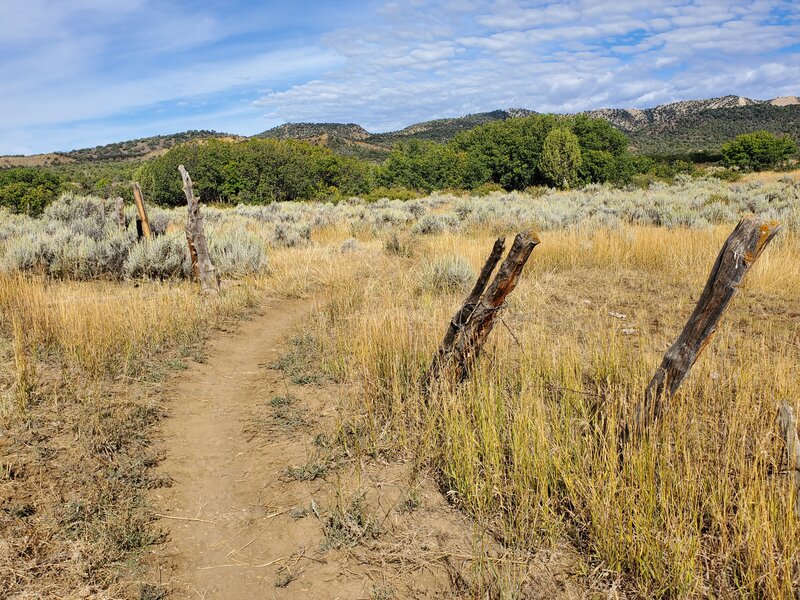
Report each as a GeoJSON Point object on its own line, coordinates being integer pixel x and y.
{"type": "Point", "coordinates": [683, 126]}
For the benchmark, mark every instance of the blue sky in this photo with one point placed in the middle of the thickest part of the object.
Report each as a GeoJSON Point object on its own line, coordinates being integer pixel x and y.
{"type": "Point", "coordinates": [78, 73]}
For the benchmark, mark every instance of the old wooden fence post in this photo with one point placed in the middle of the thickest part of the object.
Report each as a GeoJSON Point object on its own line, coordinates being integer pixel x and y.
{"type": "Point", "coordinates": [470, 326]}
{"type": "Point", "coordinates": [202, 267]}
{"type": "Point", "coordinates": [738, 253]}
{"type": "Point", "coordinates": [119, 204]}
{"type": "Point", "coordinates": [141, 211]}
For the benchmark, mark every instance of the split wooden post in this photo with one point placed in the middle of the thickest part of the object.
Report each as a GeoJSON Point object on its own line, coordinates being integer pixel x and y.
{"type": "Point", "coordinates": [141, 211]}
{"type": "Point", "coordinates": [742, 248]}
{"type": "Point", "coordinates": [788, 424]}
{"type": "Point", "coordinates": [119, 204]}
{"type": "Point", "coordinates": [470, 326]}
{"type": "Point", "coordinates": [202, 267]}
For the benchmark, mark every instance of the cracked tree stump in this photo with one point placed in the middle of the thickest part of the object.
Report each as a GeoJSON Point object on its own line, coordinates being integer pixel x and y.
{"type": "Point", "coordinates": [739, 252]}
{"type": "Point", "coordinates": [788, 424]}
{"type": "Point", "coordinates": [470, 326]}
{"type": "Point", "coordinates": [202, 267]}
{"type": "Point", "coordinates": [142, 222]}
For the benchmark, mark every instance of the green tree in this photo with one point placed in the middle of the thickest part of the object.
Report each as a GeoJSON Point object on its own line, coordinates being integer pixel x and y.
{"type": "Point", "coordinates": [254, 171]}
{"type": "Point", "coordinates": [424, 165]}
{"type": "Point", "coordinates": [561, 158]}
{"type": "Point", "coordinates": [758, 151]}
{"type": "Point", "coordinates": [28, 190]}
{"type": "Point", "coordinates": [509, 153]}
{"type": "Point", "coordinates": [506, 152]}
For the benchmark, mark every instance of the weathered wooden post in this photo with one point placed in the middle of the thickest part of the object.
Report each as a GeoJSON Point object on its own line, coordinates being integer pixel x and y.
{"type": "Point", "coordinates": [788, 424]}
{"type": "Point", "coordinates": [141, 211]}
{"type": "Point", "coordinates": [202, 268]}
{"type": "Point", "coordinates": [119, 204]}
{"type": "Point", "coordinates": [470, 326]}
{"type": "Point", "coordinates": [739, 252]}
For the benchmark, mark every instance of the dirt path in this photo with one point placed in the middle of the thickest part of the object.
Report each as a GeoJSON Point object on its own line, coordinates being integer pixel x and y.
{"type": "Point", "coordinates": [218, 477]}
{"type": "Point", "coordinates": [260, 509]}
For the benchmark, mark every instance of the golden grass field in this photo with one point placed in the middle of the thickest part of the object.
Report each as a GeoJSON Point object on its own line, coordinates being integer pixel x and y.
{"type": "Point", "coordinates": [527, 446]}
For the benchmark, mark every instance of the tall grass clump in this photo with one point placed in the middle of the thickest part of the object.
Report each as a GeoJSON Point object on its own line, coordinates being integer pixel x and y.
{"type": "Point", "coordinates": [109, 328]}
{"type": "Point", "coordinates": [447, 274]}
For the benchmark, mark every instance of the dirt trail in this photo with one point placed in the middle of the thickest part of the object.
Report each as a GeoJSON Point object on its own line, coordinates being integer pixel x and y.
{"type": "Point", "coordinates": [218, 477]}
{"type": "Point", "coordinates": [239, 527]}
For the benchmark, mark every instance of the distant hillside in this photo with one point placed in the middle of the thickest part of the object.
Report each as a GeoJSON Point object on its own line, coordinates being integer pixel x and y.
{"type": "Point", "coordinates": [345, 138]}
{"type": "Point", "coordinates": [141, 147]}
{"type": "Point", "coordinates": [687, 126]}
{"type": "Point", "coordinates": [632, 119]}
{"type": "Point", "coordinates": [120, 151]}
{"type": "Point", "coordinates": [703, 125]}
{"type": "Point", "coordinates": [352, 139]}
{"type": "Point", "coordinates": [34, 160]}
{"type": "Point", "coordinates": [439, 130]}
{"type": "Point", "coordinates": [709, 129]}
{"type": "Point", "coordinates": [300, 131]}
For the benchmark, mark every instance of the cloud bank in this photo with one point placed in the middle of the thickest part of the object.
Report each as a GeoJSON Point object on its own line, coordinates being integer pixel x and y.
{"type": "Point", "coordinates": [86, 72]}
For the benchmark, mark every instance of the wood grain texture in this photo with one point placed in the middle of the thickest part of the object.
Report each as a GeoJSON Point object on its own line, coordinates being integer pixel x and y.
{"type": "Point", "coordinates": [788, 424]}
{"type": "Point", "coordinates": [119, 205]}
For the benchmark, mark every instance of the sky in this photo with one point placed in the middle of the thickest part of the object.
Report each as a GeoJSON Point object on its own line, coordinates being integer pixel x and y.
{"type": "Point", "coordinates": [80, 73]}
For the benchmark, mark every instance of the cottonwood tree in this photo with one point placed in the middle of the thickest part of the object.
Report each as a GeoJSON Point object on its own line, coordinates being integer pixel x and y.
{"type": "Point", "coordinates": [561, 158]}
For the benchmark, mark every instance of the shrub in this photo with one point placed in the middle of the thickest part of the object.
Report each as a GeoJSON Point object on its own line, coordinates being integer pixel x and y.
{"type": "Point", "coordinates": [159, 257]}
{"type": "Point", "coordinates": [392, 193]}
{"type": "Point", "coordinates": [727, 174]}
{"type": "Point", "coordinates": [69, 208]}
{"type": "Point", "coordinates": [396, 246]}
{"type": "Point", "coordinates": [487, 188]}
{"type": "Point", "coordinates": [289, 235]}
{"type": "Point", "coordinates": [434, 224]}
{"type": "Point", "coordinates": [350, 245]}
{"type": "Point", "coordinates": [236, 254]}
{"type": "Point", "coordinates": [65, 253]}
{"type": "Point", "coordinates": [448, 274]}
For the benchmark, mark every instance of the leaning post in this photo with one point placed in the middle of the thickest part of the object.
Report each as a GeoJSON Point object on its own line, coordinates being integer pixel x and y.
{"type": "Point", "coordinates": [202, 267]}
{"type": "Point", "coordinates": [739, 252]}
{"type": "Point", "coordinates": [470, 326]}
{"type": "Point", "coordinates": [141, 211]}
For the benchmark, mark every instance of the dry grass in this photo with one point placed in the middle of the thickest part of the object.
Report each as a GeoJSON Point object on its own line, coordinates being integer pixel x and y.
{"type": "Point", "coordinates": [111, 328]}
{"type": "Point", "coordinates": [81, 363]}
{"type": "Point", "coordinates": [528, 445]}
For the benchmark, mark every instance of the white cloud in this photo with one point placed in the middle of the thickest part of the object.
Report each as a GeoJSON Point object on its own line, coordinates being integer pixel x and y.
{"type": "Point", "coordinates": [546, 56]}
{"type": "Point", "coordinates": [76, 101]}
{"type": "Point", "coordinates": [69, 67]}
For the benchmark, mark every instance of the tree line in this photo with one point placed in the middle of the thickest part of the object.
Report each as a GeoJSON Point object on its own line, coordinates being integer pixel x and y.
{"type": "Point", "coordinates": [539, 150]}
{"type": "Point", "coordinates": [513, 154]}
